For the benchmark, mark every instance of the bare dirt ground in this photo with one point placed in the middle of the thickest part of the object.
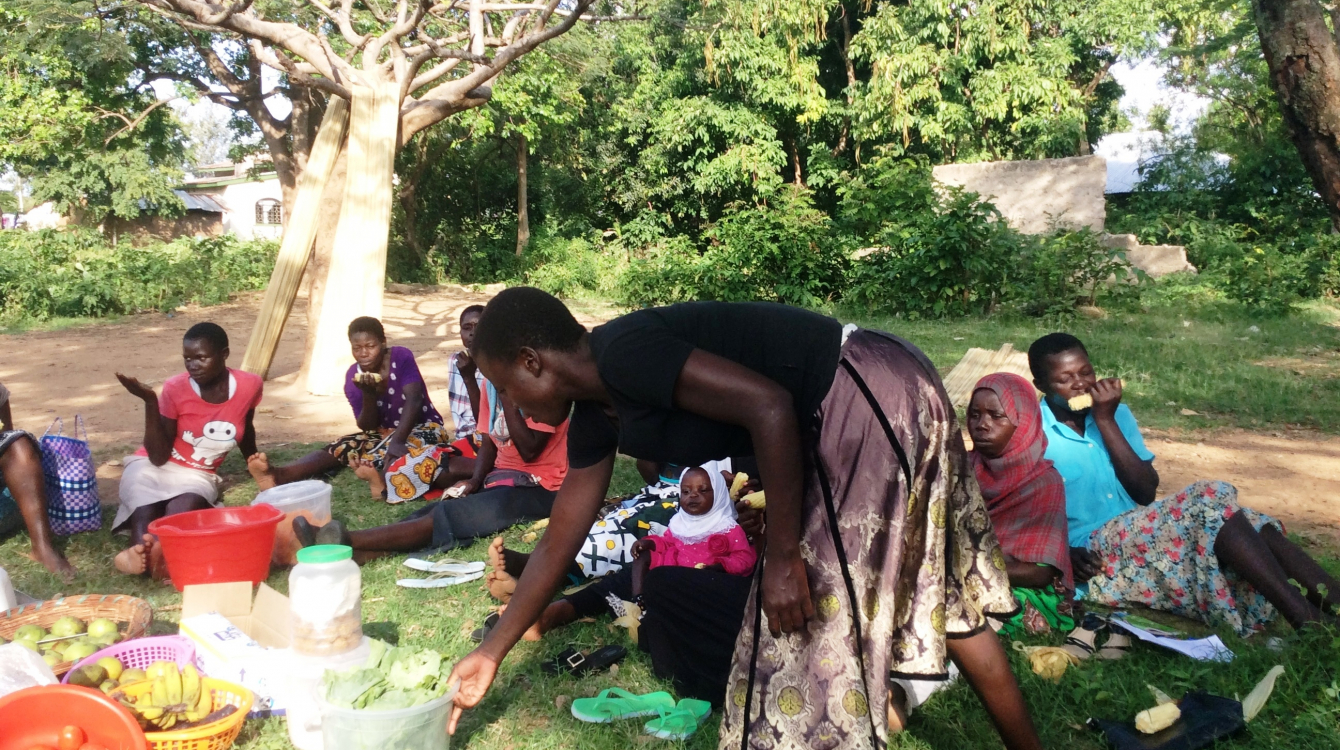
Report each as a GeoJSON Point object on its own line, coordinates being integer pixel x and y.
{"type": "Point", "coordinates": [1293, 476]}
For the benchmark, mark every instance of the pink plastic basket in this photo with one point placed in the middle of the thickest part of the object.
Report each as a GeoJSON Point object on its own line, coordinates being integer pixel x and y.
{"type": "Point", "coordinates": [142, 652]}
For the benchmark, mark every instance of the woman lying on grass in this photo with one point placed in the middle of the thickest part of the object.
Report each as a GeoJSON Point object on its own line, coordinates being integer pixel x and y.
{"type": "Point", "coordinates": [1197, 553]}
{"type": "Point", "coordinates": [1025, 497]}
{"type": "Point", "coordinates": [861, 576]}
{"type": "Point", "coordinates": [23, 492]}
{"type": "Point", "coordinates": [189, 428]}
{"type": "Point", "coordinates": [394, 414]}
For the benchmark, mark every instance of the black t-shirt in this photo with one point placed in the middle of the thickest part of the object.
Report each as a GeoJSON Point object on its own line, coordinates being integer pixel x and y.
{"type": "Point", "coordinates": [640, 356]}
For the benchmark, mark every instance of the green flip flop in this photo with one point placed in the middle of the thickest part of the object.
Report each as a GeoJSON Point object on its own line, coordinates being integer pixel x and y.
{"type": "Point", "coordinates": [680, 722]}
{"type": "Point", "coordinates": [617, 703]}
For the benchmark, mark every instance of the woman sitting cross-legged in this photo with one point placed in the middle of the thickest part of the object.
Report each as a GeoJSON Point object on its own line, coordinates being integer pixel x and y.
{"type": "Point", "coordinates": [1197, 553]}
{"type": "Point", "coordinates": [515, 479]}
{"type": "Point", "coordinates": [189, 428]}
{"type": "Point", "coordinates": [23, 491]}
{"type": "Point", "coordinates": [1025, 498]}
{"type": "Point", "coordinates": [394, 412]}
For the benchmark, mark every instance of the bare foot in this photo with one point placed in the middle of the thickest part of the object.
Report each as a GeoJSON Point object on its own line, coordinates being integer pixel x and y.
{"type": "Point", "coordinates": [533, 633]}
{"type": "Point", "coordinates": [157, 564]}
{"type": "Point", "coordinates": [55, 562]}
{"type": "Point", "coordinates": [500, 583]}
{"type": "Point", "coordinates": [369, 473]}
{"type": "Point", "coordinates": [258, 464]}
{"type": "Point", "coordinates": [132, 561]}
{"type": "Point", "coordinates": [897, 708]}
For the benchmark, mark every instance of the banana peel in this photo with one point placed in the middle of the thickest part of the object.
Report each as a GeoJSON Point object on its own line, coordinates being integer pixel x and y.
{"type": "Point", "coordinates": [1048, 662]}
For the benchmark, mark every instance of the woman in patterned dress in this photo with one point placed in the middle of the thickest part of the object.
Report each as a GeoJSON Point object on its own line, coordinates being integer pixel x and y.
{"type": "Point", "coordinates": [879, 561]}
{"type": "Point", "coordinates": [1197, 553]}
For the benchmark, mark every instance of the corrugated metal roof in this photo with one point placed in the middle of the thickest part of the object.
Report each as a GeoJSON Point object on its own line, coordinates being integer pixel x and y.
{"type": "Point", "coordinates": [199, 202]}
{"type": "Point", "coordinates": [193, 202]}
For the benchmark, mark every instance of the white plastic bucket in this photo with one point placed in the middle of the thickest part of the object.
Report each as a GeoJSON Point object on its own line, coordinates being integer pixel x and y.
{"type": "Point", "coordinates": [423, 727]}
{"type": "Point", "coordinates": [309, 498]}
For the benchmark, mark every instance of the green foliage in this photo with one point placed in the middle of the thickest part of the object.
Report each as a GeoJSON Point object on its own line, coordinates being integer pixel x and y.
{"type": "Point", "coordinates": [77, 116]}
{"type": "Point", "coordinates": [1070, 267]}
{"type": "Point", "coordinates": [784, 251]}
{"type": "Point", "coordinates": [74, 272]}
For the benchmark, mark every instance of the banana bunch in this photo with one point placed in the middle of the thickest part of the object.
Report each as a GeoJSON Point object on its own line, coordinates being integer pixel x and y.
{"type": "Point", "coordinates": [177, 697]}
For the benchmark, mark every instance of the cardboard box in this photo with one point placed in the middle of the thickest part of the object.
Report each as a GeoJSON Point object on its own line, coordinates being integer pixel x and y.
{"type": "Point", "coordinates": [238, 639]}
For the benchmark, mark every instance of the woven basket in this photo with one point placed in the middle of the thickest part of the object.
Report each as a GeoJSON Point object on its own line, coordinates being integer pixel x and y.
{"type": "Point", "coordinates": [216, 735]}
{"type": "Point", "coordinates": [131, 614]}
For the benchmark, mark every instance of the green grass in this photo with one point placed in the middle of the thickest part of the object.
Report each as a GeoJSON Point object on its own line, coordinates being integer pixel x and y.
{"type": "Point", "coordinates": [1207, 365]}
{"type": "Point", "coordinates": [1171, 359]}
{"type": "Point", "coordinates": [521, 712]}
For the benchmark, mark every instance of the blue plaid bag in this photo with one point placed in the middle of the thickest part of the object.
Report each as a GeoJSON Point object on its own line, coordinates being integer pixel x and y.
{"type": "Point", "coordinates": [71, 480]}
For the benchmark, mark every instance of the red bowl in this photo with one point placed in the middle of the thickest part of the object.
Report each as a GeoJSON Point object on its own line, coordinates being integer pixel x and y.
{"type": "Point", "coordinates": [36, 716]}
{"type": "Point", "coordinates": [218, 545]}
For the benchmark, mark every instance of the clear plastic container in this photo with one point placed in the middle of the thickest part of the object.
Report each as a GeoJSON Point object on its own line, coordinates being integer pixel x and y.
{"type": "Point", "coordinates": [422, 727]}
{"type": "Point", "coordinates": [302, 681]}
{"type": "Point", "coordinates": [325, 601]}
{"type": "Point", "coordinates": [8, 600]}
{"type": "Point", "coordinates": [310, 499]}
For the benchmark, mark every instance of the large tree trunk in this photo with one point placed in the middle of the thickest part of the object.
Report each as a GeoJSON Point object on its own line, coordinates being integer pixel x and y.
{"type": "Point", "coordinates": [1304, 63]}
{"type": "Point", "coordinates": [357, 276]}
{"type": "Point", "coordinates": [522, 204]}
{"type": "Point", "coordinates": [296, 248]}
{"type": "Point", "coordinates": [319, 265]}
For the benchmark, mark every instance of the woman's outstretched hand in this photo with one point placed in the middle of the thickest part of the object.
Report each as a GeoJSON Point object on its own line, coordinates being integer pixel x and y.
{"type": "Point", "coordinates": [786, 592]}
{"type": "Point", "coordinates": [476, 672]}
{"type": "Point", "coordinates": [136, 388]}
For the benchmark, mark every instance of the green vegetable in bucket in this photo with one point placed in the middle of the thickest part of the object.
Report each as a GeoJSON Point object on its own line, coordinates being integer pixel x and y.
{"type": "Point", "coordinates": [392, 678]}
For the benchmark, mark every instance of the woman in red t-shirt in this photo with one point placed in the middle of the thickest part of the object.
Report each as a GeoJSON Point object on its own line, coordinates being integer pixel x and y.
{"type": "Point", "coordinates": [189, 429]}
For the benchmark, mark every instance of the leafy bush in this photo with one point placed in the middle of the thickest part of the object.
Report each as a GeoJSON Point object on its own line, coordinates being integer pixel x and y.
{"type": "Point", "coordinates": [571, 267]}
{"type": "Point", "coordinates": [1067, 268]}
{"type": "Point", "coordinates": [73, 272]}
{"type": "Point", "coordinates": [784, 251]}
{"type": "Point", "coordinates": [954, 258]}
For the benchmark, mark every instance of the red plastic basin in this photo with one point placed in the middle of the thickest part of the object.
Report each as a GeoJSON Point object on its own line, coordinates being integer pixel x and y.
{"type": "Point", "coordinates": [218, 545]}
{"type": "Point", "coordinates": [36, 715]}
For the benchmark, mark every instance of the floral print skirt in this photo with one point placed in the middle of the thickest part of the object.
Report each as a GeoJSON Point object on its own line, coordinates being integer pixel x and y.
{"type": "Point", "coordinates": [371, 445]}
{"type": "Point", "coordinates": [1162, 556]}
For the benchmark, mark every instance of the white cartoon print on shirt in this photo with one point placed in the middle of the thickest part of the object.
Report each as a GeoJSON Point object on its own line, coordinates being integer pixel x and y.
{"type": "Point", "coordinates": [219, 437]}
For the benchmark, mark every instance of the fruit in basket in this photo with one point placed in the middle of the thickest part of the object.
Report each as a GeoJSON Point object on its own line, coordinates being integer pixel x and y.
{"type": "Point", "coordinates": [108, 686]}
{"type": "Point", "coordinates": [81, 650]}
{"type": "Point", "coordinates": [89, 676]}
{"type": "Point", "coordinates": [102, 628]}
{"type": "Point", "coordinates": [176, 698]}
{"type": "Point", "coordinates": [132, 675]}
{"type": "Point", "coordinates": [51, 658]}
{"type": "Point", "coordinates": [27, 643]}
{"type": "Point", "coordinates": [29, 633]}
{"type": "Point", "coordinates": [113, 666]}
{"type": "Point", "coordinates": [67, 626]}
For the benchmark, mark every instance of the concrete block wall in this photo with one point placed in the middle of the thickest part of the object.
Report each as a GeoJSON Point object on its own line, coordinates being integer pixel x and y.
{"type": "Point", "coordinates": [1034, 196]}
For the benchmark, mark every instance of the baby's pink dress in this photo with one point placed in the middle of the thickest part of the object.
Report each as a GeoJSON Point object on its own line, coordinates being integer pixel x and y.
{"type": "Point", "coordinates": [730, 548]}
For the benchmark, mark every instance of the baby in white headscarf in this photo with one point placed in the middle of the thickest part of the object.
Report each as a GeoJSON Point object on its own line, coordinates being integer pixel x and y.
{"type": "Point", "coordinates": [704, 533]}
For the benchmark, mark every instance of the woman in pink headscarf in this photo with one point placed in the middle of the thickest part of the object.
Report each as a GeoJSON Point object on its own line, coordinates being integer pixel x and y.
{"type": "Point", "coordinates": [1025, 497]}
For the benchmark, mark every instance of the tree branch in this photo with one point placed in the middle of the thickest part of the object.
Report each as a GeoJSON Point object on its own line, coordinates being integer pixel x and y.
{"type": "Point", "coordinates": [131, 124]}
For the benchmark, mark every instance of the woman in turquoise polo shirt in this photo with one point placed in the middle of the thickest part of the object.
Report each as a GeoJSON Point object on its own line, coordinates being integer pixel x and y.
{"type": "Point", "coordinates": [1197, 553]}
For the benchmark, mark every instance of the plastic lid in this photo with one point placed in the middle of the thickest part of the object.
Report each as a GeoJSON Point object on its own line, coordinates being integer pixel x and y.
{"type": "Point", "coordinates": [325, 553]}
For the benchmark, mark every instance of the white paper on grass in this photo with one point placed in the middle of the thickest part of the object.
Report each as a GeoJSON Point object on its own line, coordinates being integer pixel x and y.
{"type": "Point", "coordinates": [1202, 649]}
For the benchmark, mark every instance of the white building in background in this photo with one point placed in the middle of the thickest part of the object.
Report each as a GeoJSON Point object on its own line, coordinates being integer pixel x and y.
{"type": "Point", "coordinates": [249, 194]}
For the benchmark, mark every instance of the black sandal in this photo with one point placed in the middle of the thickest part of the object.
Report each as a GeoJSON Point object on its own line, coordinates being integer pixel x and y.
{"type": "Point", "coordinates": [482, 632]}
{"type": "Point", "coordinates": [577, 664]}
